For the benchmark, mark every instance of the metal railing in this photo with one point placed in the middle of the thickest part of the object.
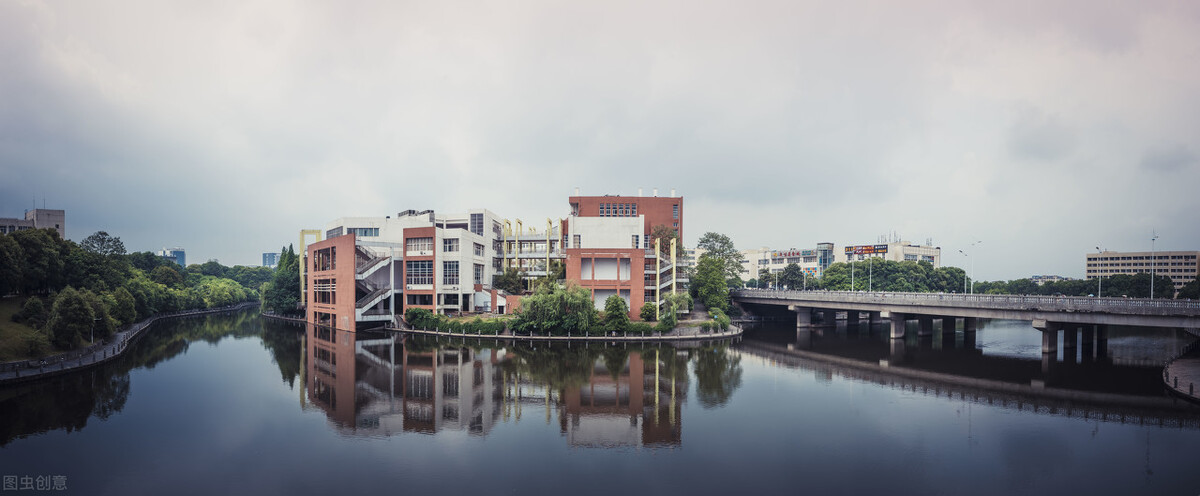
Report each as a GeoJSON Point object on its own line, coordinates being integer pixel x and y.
{"type": "Point", "coordinates": [1136, 306]}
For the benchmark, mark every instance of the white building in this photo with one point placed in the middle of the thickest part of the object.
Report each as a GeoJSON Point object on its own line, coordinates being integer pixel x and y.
{"type": "Point", "coordinates": [898, 251]}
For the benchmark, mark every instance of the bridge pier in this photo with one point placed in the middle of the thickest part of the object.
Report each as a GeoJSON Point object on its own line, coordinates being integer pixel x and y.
{"type": "Point", "coordinates": [803, 315]}
{"type": "Point", "coordinates": [1049, 335]}
{"type": "Point", "coordinates": [949, 324]}
{"type": "Point", "coordinates": [804, 338]}
{"type": "Point", "coordinates": [873, 318]}
{"type": "Point", "coordinates": [851, 318]}
{"type": "Point", "coordinates": [969, 340]}
{"type": "Point", "coordinates": [897, 324]}
{"type": "Point", "coordinates": [969, 324]}
{"type": "Point", "coordinates": [926, 328]}
{"type": "Point", "coordinates": [1101, 341]}
{"type": "Point", "coordinates": [949, 336]}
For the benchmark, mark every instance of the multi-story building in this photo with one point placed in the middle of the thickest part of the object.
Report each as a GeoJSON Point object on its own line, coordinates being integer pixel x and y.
{"type": "Point", "coordinates": [812, 261]}
{"type": "Point", "coordinates": [897, 251]}
{"type": "Point", "coordinates": [1180, 266]}
{"type": "Point", "coordinates": [176, 255]}
{"type": "Point", "coordinates": [370, 269]}
{"type": "Point", "coordinates": [38, 218]}
{"type": "Point", "coordinates": [270, 259]}
{"type": "Point", "coordinates": [1043, 279]}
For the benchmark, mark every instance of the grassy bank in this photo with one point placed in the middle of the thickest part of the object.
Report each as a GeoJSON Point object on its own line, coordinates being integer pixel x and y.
{"type": "Point", "coordinates": [14, 337]}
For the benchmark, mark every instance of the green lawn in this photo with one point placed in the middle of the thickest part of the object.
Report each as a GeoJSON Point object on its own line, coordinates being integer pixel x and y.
{"type": "Point", "coordinates": [13, 336]}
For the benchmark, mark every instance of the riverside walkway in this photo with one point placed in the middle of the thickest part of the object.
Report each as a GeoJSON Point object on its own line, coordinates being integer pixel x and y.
{"type": "Point", "coordinates": [28, 370]}
{"type": "Point", "coordinates": [679, 334]}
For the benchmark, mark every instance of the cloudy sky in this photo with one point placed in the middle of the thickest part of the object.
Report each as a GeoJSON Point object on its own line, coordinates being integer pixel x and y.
{"type": "Point", "coordinates": [1042, 129]}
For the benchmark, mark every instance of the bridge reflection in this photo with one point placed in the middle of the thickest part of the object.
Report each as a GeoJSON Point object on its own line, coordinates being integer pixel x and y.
{"type": "Point", "coordinates": [1085, 386]}
{"type": "Point", "coordinates": [383, 384]}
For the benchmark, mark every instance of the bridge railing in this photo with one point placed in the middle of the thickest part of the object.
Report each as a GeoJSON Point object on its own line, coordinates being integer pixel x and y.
{"type": "Point", "coordinates": [998, 301]}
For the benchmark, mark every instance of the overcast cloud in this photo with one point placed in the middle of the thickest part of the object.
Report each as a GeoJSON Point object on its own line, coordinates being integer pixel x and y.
{"type": "Point", "coordinates": [1041, 128]}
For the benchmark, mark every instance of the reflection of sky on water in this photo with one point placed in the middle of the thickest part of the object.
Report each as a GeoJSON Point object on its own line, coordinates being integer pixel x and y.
{"type": "Point", "coordinates": [219, 419]}
{"type": "Point", "coordinates": [1017, 338]}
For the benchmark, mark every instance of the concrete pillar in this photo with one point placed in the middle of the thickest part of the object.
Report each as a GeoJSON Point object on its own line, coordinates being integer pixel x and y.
{"type": "Point", "coordinates": [969, 324]}
{"type": "Point", "coordinates": [897, 324]}
{"type": "Point", "coordinates": [1071, 336]}
{"type": "Point", "coordinates": [949, 324]}
{"type": "Point", "coordinates": [830, 318]}
{"type": "Point", "coordinates": [874, 318]}
{"type": "Point", "coordinates": [1087, 349]}
{"type": "Point", "coordinates": [926, 328]}
{"type": "Point", "coordinates": [898, 350]}
{"type": "Point", "coordinates": [803, 315]}
{"type": "Point", "coordinates": [851, 318]}
{"type": "Point", "coordinates": [1049, 335]}
{"type": "Point", "coordinates": [949, 336]}
{"type": "Point", "coordinates": [969, 341]}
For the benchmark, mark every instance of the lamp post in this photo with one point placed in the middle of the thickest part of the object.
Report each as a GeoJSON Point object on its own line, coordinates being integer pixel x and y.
{"type": "Point", "coordinates": [871, 274]}
{"type": "Point", "coordinates": [851, 273]}
{"type": "Point", "coordinates": [1099, 274]}
{"type": "Point", "coordinates": [972, 269]}
{"type": "Point", "coordinates": [1153, 263]}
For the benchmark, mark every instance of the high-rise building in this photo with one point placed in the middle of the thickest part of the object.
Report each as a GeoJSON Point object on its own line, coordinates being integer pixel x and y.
{"type": "Point", "coordinates": [176, 255]}
{"type": "Point", "coordinates": [1180, 266]}
{"type": "Point", "coordinates": [38, 218]}
{"type": "Point", "coordinates": [270, 259]}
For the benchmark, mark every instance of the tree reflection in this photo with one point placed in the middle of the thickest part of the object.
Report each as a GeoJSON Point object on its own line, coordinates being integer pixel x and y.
{"type": "Point", "coordinates": [718, 375]}
{"type": "Point", "coordinates": [68, 401]}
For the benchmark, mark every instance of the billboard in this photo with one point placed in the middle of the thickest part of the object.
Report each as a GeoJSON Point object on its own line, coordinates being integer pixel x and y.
{"type": "Point", "coordinates": [866, 250]}
{"type": "Point", "coordinates": [793, 253]}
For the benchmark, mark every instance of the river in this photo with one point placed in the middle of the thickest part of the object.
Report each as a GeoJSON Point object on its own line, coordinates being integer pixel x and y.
{"type": "Point", "coordinates": [235, 404]}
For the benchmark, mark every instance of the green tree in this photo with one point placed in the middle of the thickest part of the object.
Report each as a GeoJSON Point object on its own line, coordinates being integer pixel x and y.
{"type": "Point", "coordinates": [718, 375]}
{"type": "Point", "coordinates": [102, 325]}
{"type": "Point", "coordinates": [511, 281]}
{"type": "Point", "coordinates": [709, 285]}
{"type": "Point", "coordinates": [166, 275]}
{"type": "Point", "coordinates": [557, 310]}
{"type": "Point", "coordinates": [720, 247]}
{"type": "Point", "coordinates": [283, 293]}
{"type": "Point", "coordinates": [664, 235]}
{"type": "Point", "coordinates": [125, 309]}
{"type": "Point", "coordinates": [12, 259]}
{"type": "Point", "coordinates": [1190, 290]}
{"type": "Point", "coordinates": [33, 313]}
{"type": "Point", "coordinates": [101, 243]}
{"type": "Point", "coordinates": [42, 269]}
{"type": "Point", "coordinates": [792, 277]}
{"type": "Point", "coordinates": [616, 314]}
{"type": "Point", "coordinates": [70, 318]}
{"type": "Point", "coordinates": [647, 313]}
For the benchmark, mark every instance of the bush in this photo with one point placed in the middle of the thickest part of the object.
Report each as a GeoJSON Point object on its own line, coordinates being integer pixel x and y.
{"type": "Point", "coordinates": [705, 326]}
{"type": "Point", "coordinates": [641, 328]}
{"type": "Point", "coordinates": [616, 314]}
{"type": "Point", "coordinates": [720, 320]}
{"type": "Point", "coordinates": [647, 313]}
{"type": "Point", "coordinates": [33, 313]}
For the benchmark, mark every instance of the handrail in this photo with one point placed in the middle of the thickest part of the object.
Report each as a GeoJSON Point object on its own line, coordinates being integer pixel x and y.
{"type": "Point", "coordinates": [1022, 302]}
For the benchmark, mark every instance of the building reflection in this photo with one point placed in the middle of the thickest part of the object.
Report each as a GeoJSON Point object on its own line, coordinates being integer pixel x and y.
{"type": "Point", "coordinates": [373, 384]}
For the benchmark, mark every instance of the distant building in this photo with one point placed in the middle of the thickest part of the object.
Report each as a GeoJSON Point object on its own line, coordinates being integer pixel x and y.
{"type": "Point", "coordinates": [176, 255]}
{"type": "Point", "coordinates": [1180, 266]}
{"type": "Point", "coordinates": [270, 259]}
{"type": "Point", "coordinates": [812, 262]}
{"type": "Point", "coordinates": [1041, 280]}
{"type": "Point", "coordinates": [897, 251]}
{"type": "Point", "coordinates": [38, 218]}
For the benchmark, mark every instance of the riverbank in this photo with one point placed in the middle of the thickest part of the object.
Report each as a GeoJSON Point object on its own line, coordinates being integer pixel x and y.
{"type": "Point", "coordinates": [28, 370]}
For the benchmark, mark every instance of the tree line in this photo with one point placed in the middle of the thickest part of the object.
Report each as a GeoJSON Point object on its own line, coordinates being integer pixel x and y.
{"type": "Point", "coordinates": [75, 292]}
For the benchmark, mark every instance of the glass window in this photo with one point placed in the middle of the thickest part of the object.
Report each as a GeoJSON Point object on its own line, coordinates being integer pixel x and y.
{"type": "Point", "coordinates": [477, 224]}
{"type": "Point", "coordinates": [419, 244]}
{"type": "Point", "coordinates": [418, 272]}
{"type": "Point", "coordinates": [674, 211]}
{"type": "Point", "coordinates": [450, 245]}
{"type": "Point", "coordinates": [450, 273]}
{"type": "Point", "coordinates": [478, 273]}
{"type": "Point", "coordinates": [478, 250]}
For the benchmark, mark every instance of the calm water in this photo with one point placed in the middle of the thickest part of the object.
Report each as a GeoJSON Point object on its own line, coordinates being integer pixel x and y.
{"type": "Point", "coordinates": [233, 404]}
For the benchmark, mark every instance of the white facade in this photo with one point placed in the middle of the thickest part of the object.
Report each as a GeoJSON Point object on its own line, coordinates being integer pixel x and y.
{"type": "Point", "coordinates": [902, 251]}
{"type": "Point", "coordinates": [607, 232]}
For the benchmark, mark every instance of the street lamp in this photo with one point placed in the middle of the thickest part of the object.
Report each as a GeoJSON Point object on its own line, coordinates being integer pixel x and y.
{"type": "Point", "coordinates": [1153, 263]}
{"type": "Point", "coordinates": [972, 269]}
{"type": "Point", "coordinates": [1099, 274]}
{"type": "Point", "coordinates": [871, 274]}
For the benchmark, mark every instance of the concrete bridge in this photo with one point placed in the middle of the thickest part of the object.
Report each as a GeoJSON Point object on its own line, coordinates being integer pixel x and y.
{"type": "Point", "coordinates": [1048, 314]}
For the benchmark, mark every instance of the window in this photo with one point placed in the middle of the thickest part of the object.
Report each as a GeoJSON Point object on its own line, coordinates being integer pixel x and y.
{"type": "Point", "coordinates": [675, 212]}
{"type": "Point", "coordinates": [325, 259]}
{"type": "Point", "coordinates": [419, 244]}
{"type": "Point", "coordinates": [635, 240]}
{"type": "Point", "coordinates": [364, 231]}
{"type": "Point", "coordinates": [575, 240]}
{"type": "Point", "coordinates": [478, 250]}
{"type": "Point", "coordinates": [477, 224]}
{"type": "Point", "coordinates": [634, 214]}
{"type": "Point", "coordinates": [325, 291]}
{"type": "Point", "coordinates": [418, 271]}
{"type": "Point", "coordinates": [478, 273]}
{"type": "Point", "coordinates": [333, 233]}
{"type": "Point", "coordinates": [450, 245]}
{"type": "Point", "coordinates": [450, 273]}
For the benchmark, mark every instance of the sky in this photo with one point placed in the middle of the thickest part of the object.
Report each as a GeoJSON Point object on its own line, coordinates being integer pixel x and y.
{"type": "Point", "coordinates": [1026, 133]}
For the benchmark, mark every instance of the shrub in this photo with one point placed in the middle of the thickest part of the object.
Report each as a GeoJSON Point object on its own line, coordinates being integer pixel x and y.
{"type": "Point", "coordinates": [705, 326]}
{"type": "Point", "coordinates": [616, 314]}
{"type": "Point", "coordinates": [647, 313]}
{"type": "Point", "coordinates": [641, 328]}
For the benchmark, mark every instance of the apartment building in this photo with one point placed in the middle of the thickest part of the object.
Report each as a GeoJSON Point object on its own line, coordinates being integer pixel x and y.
{"type": "Point", "coordinates": [896, 251]}
{"type": "Point", "coordinates": [38, 218]}
{"type": "Point", "coordinates": [812, 261]}
{"type": "Point", "coordinates": [1180, 266]}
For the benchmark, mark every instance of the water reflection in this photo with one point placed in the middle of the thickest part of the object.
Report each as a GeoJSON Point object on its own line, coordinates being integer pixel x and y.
{"type": "Point", "coordinates": [381, 384]}
{"type": "Point", "coordinates": [68, 402]}
{"type": "Point", "coordinates": [1119, 376]}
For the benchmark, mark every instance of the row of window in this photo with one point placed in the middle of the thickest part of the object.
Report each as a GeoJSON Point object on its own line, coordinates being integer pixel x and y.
{"type": "Point", "coordinates": [363, 231]}
{"type": "Point", "coordinates": [1144, 264]}
{"type": "Point", "coordinates": [418, 244]}
{"type": "Point", "coordinates": [421, 272]}
{"type": "Point", "coordinates": [618, 210]}
{"type": "Point", "coordinates": [1155, 257]}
